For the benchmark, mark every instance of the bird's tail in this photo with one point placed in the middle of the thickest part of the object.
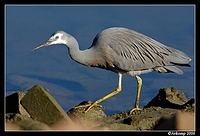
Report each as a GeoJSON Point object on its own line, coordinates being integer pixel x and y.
{"type": "Point", "coordinates": [176, 58]}
{"type": "Point", "coordinates": [179, 58]}
{"type": "Point", "coordinates": [173, 69]}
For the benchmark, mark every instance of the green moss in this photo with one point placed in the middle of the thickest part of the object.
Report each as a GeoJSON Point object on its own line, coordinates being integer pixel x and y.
{"type": "Point", "coordinates": [43, 107]}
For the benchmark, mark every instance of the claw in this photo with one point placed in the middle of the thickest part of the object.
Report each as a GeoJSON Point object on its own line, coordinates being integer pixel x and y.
{"type": "Point", "coordinates": [92, 105]}
{"type": "Point", "coordinates": [89, 106]}
{"type": "Point", "coordinates": [134, 110]}
{"type": "Point", "coordinates": [82, 106]}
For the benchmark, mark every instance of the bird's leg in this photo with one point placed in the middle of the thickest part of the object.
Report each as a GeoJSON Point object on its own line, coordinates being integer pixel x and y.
{"type": "Point", "coordinates": [118, 89]}
{"type": "Point", "coordinates": [87, 105]}
{"type": "Point", "coordinates": [139, 81]}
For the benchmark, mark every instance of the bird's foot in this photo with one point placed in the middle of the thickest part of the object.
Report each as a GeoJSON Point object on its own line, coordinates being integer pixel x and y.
{"type": "Point", "coordinates": [89, 106]}
{"type": "Point", "coordinates": [134, 110]}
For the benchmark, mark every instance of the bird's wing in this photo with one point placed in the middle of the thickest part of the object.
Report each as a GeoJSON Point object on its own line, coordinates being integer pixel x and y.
{"type": "Point", "coordinates": [131, 50]}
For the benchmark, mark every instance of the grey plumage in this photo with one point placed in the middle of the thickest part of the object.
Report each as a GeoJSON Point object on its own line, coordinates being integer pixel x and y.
{"type": "Point", "coordinates": [123, 51]}
{"type": "Point", "coordinates": [132, 51]}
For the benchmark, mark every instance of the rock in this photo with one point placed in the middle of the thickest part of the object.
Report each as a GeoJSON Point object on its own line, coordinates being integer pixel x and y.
{"type": "Point", "coordinates": [147, 120]}
{"type": "Point", "coordinates": [182, 121]}
{"type": "Point", "coordinates": [13, 104]}
{"type": "Point", "coordinates": [149, 116]}
{"type": "Point", "coordinates": [43, 107]}
{"type": "Point", "coordinates": [94, 117]}
{"type": "Point", "coordinates": [168, 110]}
{"type": "Point", "coordinates": [144, 119]}
{"type": "Point", "coordinates": [189, 106]}
{"type": "Point", "coordinates": [32, 125]}
{"type": "Point", "coordinates": [11, 126]}
{"type": "Point", "coordinates": [168, 98]}
{"type": "Point", "coordinates": [115, 126]}
{"type": "Point", "coordinates": [21, 122]}
{"type": "Point", "coordinates": [16, 117]}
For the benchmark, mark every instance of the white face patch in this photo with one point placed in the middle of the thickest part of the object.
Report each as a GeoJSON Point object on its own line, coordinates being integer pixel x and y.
{"type": "Point", "coordinates": [57, 39]}
{"type": "Point", "coordinates": [58, 35]}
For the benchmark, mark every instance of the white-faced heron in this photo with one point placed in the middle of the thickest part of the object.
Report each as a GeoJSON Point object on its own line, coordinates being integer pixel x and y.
{"type": "Point", "coordinates": [122, 51]}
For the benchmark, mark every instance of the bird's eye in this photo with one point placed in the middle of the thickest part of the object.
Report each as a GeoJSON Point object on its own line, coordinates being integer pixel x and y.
{"type": "Point", "coordinates": [56, 37]}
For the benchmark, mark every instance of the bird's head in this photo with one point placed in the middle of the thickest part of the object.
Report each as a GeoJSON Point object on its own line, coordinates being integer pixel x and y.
{"type": "Point", "coordinates": [58, 37]}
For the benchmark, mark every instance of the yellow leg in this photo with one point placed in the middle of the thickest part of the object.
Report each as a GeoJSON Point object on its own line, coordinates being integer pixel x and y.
{"type": "Point", "coordinates": [87, 105]}
{"type": "Point", "coordinates": [105, 97]}
{"type": "Point", "coordinates": [139, 81]}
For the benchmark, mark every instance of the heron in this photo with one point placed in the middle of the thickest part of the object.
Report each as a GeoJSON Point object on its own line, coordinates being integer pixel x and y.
{"type": "Point", "coordinates": [123, 51]}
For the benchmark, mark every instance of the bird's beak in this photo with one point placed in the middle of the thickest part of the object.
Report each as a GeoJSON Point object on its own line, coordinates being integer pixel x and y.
{"type": "Point", "coordinates": [49, 42]}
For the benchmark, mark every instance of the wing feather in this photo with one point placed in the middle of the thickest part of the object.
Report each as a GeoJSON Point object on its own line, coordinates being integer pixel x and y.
{"type": "Point", "coordinates": [131, 50]}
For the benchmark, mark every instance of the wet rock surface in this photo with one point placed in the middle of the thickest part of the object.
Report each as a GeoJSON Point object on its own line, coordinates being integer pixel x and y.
{"type": "Point", "coordinates": [168, 110]}
{"type": "Point", "coordinates": [94, 117]}
{"type": "Point", "coordinates": [168, 98]}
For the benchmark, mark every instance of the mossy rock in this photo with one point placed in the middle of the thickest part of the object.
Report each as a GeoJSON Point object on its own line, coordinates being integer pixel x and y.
{"type": "Point", "coordinates": [43, 107]}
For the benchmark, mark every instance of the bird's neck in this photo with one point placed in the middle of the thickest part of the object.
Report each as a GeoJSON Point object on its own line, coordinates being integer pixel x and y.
{"type": "Point", "coordinates": [82, 57]}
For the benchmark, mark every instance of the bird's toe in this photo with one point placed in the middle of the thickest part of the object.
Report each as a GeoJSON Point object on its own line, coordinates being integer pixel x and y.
{"type": "Point", "coordinates": [89, 106]}
{"type": "Point", "coordinates": [134, 109]}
